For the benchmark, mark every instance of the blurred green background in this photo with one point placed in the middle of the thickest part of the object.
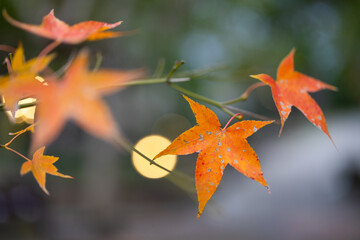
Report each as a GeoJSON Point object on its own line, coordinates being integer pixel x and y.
{"type": "Point", "coordinates": [108, 199]}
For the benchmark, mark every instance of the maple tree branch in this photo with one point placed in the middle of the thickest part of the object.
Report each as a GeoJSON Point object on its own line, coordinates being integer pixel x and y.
{"type": "Point", "coordinates": [153, 81]}
{"type": "Point", "coordinates": [225, 108]}
{"type": "Point", "coordinates": [145, 82]}
{"type": "Point", "coordinates": [246, 94]}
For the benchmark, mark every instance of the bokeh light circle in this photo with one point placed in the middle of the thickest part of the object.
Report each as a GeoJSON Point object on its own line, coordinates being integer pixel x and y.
{"type": "Point", "coordinates": [150, 146]}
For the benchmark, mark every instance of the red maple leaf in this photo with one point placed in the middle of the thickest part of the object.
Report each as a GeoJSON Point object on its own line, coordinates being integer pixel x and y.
{"type": "Point", "coordinates": [78, 97]}
{"type": "Point", "coordinates": [217, 148]}
{"type": "Point", "coordinates": [53, 28]}
{"type": "Point", "coordinates": [291, 89]}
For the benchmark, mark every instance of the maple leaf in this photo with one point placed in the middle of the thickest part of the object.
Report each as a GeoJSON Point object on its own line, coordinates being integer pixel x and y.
{"type": "Point", "coordinates": [40, 165]}
{"type": "Point", "coordinates": [21, 81]}
{"type": "Point", "coordinates": [53, 28]}
{"type": "Point", "coordinates": [291, 89]}
{"type": "Point", "coordinates": [217, 148]}
{"type": "Point", "coordinates": [78, 97]}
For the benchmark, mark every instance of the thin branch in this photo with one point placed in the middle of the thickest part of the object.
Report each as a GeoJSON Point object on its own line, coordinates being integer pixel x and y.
{"type": "Point", "coordinates": [195, 95]}
{"type": "Point", "coordinates": [122, 143]}
{"type": "Point", "coordinates": [173, 70]}
{"type": "Point", "coordinates": [127, 146]}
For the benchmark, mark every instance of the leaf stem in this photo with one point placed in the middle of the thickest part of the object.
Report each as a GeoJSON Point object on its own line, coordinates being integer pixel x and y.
{"type": "Point", "coordinates": [246, 94]}
{"type": "Point", "coordinates": [49, 48]}
{"type": "Point", "coordinates": [227, 124]}
{"type": "Point", "coordinates": [99, 59]}
{"type": "Point", "coordinates": [7, 48]}
{"type": "Point", "coordinates": [14, 151]}
{"type": "Point", "coordinates": [46, 51]}
{"type": "Point", "coordinates": [17, 134]}
{"type": "Point", "coordinates": [8, 65]}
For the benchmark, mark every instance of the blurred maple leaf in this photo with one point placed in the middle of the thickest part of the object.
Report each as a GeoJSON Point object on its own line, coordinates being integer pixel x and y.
{"type": "Point", "coordinates": [291, 89]}
{"type": "Point", "coordinates": [53, 28]}
{"type": "Point", "coordinates": [21, 81]}
{"type": "Point", "coordinates": [78, 97]}
{"type": "Point", "coordinates": [218, 147]}
{"type": "Point", "coordinates": [40, 165]}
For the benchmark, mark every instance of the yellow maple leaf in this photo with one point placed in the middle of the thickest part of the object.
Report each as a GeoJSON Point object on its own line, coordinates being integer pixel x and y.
{"type": "Point", "coordinates": [40, 165]}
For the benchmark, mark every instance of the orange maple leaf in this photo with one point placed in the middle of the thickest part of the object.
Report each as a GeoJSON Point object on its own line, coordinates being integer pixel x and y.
{"type": "Point", "coordinates": [218, 147]}
{"type": "Point", "coordinates": [291, 89]}
{"type": "Point", "coordinates": [78, 97]}
{"type": "Point", "coordinates": [53, 28]}
{"type": "Point", "coordinates": [40, 165]}
{"type": "Point", "coordinates": [21, 82]}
